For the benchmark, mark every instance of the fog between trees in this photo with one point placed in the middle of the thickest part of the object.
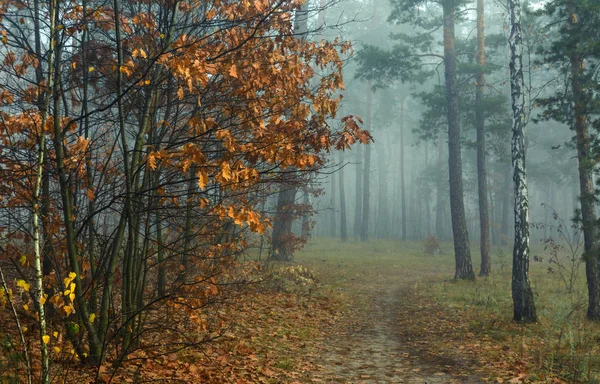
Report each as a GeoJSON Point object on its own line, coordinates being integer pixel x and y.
{"type": "Point", "coordinates": [155, 154]}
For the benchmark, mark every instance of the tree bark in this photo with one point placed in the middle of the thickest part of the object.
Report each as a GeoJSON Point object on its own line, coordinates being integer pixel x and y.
{"type": "Point", "coordinates": [439, 204]}
{"type": "Point", "coordinates": [402, 169]}
{"type": "Point", "coordinates": [282, 225]}
{"type": "Point", "coordinates": [364, 228]}
{"type": "Point", "coordinates": [484, 221]}
{"type": "Point", "coordinates": [284, 218]}
{"type": "Point", "coordinates": [343, 222]}
{"type": "Point", "coordinates": [359, 193]}
{"type": "Point", "coordinates": [523, 300]}
{"type": "Point", "coordinates": [462, 251]}
{"type": "Point", "coordinates": [505, 208]}
{"type": "Point", "coordinates": [382, 227]}
{"type": "Point", "coordinates": [586, 181]}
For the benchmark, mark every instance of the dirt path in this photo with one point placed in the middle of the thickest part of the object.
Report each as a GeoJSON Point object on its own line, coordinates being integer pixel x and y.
{"type": "Point", "coordinates": [378, 344]}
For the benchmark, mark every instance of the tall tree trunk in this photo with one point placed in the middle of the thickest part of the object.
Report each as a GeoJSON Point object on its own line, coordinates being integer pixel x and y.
{"type": "Point", "coordinates": [505, 207]}
{"type": "Point", "coordinates": [364, 228]}
{"type": "Point", "coordinates": [462, 251]}
{"type": "Point", "coordinates": [305, 228]}
{"type": "Point", "coordinates": [439, 208]}
{"type": "Point", "coordinates": [484, 221]}
{"type": "Point", "coordinates": [382, 227]}
{"type": "Point", "coordinates": [402, 169]}
{"type": "Point", "coordinates": [333, 207]}
{"type": "Point", "coordinates": [492, 211]}
{"type": "Point", "coordinates": [284, 218]}
{"type": "Point", "coordinates": [586, 182]}
{"type": "Point", "coordinates": [343, 222]}
{"type": "Point", "coordinates": [358, 192]}
{"type": "Point", "coordinates": [523, 300]}
{"type": "Point", "coordinates": [427, 194]}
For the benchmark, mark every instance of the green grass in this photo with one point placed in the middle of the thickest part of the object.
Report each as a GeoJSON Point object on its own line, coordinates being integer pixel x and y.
{"type": "Point", "coordinates": [562, 344]}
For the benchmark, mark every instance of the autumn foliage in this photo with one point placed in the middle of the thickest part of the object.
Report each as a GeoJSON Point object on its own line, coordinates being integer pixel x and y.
{"type": "Point", "coordinates": [144, 138]}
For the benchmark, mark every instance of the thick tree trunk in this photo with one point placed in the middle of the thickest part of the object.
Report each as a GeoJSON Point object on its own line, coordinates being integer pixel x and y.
{"type": "Point", "coordinates": [364, 228]}
{"type": "Point", "coordinates": [402, 170]}
{"type": "Point", "coordinates": [282, 224]}
{"type": "Point", "coordinates": [523, 300]}
{"type": "Point", "coordinates": [586, 181]}
{"type": "Point", "coordinates": [484, 221]}
{"type": "Point", "coordinates": [284, 218]}
{"type": "Point", "coordinates": [462, 251]}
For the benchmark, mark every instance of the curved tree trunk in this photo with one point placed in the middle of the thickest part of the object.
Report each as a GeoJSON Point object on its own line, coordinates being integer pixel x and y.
{"type": "Point", "coordinates": [462, 251]}
{"type": "Point", "coordinates": [523, 301]}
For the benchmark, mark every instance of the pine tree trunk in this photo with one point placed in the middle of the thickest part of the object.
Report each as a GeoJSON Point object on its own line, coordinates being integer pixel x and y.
{"type": "Point", "coordinates": [382, 227]}
{"type": "Point", "coordinates": [364, 228]}
{"type": "Point", "coordinates": [586, 181]}
{"type": "Point", "coordinates": [359, 192]}
{"type": "Point", "coordinates": [439, 204]}
{"type": "Point", "coordinates": [402, 170]}
{"type": "Point", "coordinates": [343, 222]}
{"type": "Point", "coordinates": [523, 300]}
{"type": "Point", "coordinates": [333, 207]}
{"type": "Point", "coordinates": [462, 251]}
{"type": "Point", "coordinates": [427, 195]}
{"type": "Point", "coordinates": [484, 221]}
{"type": "Point", "coordinates": [505, 208]}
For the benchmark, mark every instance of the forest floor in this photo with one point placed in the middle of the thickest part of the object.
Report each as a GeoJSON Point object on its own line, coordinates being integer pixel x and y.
{"type": "Point", "coordinates": [377, 312]}
{"type": "Point", "coordinates": [390, 334]}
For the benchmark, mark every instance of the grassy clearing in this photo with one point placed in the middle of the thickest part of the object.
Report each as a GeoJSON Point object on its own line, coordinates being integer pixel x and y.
{"type": "Point", "coordinates": [562, 346]}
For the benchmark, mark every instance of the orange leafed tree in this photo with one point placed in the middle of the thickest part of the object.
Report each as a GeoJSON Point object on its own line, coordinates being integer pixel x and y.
{"type": "Point", "coordinates": [154, 131]}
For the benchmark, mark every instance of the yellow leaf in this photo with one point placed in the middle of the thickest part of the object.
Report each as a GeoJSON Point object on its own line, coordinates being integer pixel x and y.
{"type": "Point", "coordinates": [226, 171]}
{"type": "Point", "coordinates": [42, 300]}
{"type": "Point", "coordinates": [57, 349]}
{"type": "Point", "coordinates": [68, 309]}
{"type": "Point", "coordinates": [22, 259]}
{"type": "Point", "coordinates": [55, 334]}
{"type": "Point", "coordinates": [46, 339]}
{"type": "Point", "coordinates": [26, 307]}
{"type": "Point", "coordinates": [92, 317]}
{"type": "Point", "coordinates": [72, 296]}
{"type": "Point", "coordinates": [23, 284]}
{"type": "Point", "coordinates": [202, 179]}
{"type": "Point", "coordinates": [180, 93]}
{"type": "Point", "coordinates": [91, 69]}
